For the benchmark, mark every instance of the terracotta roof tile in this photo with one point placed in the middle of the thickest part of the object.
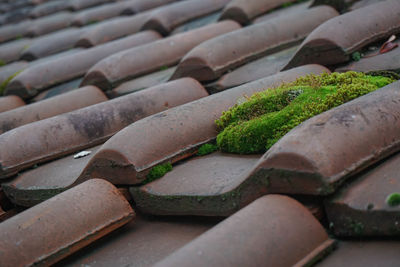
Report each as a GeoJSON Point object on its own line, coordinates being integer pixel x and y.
{"type": "Point", "coordinates": [137, 6]}
{"type": "Point", "coordinates": [361, 207]}
{"type": "Point", "coordinates": [112, 29]}
{"type": "Point", "coordinates": [143, 242]}
{"type": "Point", "coordinates": [49, 8]}
{"type": "Point", "coordinates": [44, 75]}
{"type": "Point", "coordinates": [287, 11]}
{"type": "Point", "coordinates": [47, 180]}
{"type": "Point", "coordinates": [273, 229]}
{"type": "Point", "coordinates": [10, 102]}
{"type": "Point", "coordinates": [9, 70]}
{"type": "Point", "coordinates": [364, 253]}
{"type": "Point", "coordinates": [63, 134]}
{"type": "Point", "coordinates": [174, 134]}
{"type": "Point", "coordinates": [143, 82]}
{"type": "Point", "coordinates": [254, 70]}
{"type": "Point", "coordinates": [11, 51]}
{"type": "Point", "coordinates": [73, 100]}
{"type": "Point", "coordinates": [209, 60]}
{"type": "Point", "coordinates": [131, 63]}
{"type": "Point", "coordinates": [54, 229]}
{"type": "Point", "coordinates": [49, 24]}
{"type": "Point", "coordinates": [328, 148]}
{"type": "Point", "coordinates": [243, 11]}
{"type": "Point", "coordinates": [332, 43]}
{"type": "Point", "coordinates": [165, 19]}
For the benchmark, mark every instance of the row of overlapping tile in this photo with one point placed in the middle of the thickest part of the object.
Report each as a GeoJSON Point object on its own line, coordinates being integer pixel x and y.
{"type": "Point", "coordinates": [169, 120]}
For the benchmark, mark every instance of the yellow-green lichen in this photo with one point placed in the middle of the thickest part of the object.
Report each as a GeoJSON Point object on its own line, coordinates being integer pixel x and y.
{"type": "Point", "coordinates": [256, 124]}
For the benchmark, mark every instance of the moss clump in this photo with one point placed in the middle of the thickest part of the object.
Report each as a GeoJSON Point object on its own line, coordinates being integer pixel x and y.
{"type": "Point", "coordinates": [393, 199]}
{"type": "Point", "coordinates": [207, 149]}
{"type": "Point", "coordinates": [158, 172]}
{"type": "Point", "coordinates": [259, 122]}
{"type": "Point", "coordinates": [2, 63]}
{"type": "Point", "coordinates": [356, 56]}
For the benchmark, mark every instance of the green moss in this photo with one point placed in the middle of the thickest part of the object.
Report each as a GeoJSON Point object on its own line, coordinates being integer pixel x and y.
{"type": "Point", "coordinates": [163, 68]}
{"type": "Point", "coordinates": [158, 172]}
{"type": "Point", "coordinates": [356, 56]}
{"type": "Point", "coordinates": [259, 122]}
{"type": "Point", "coordinates": [4, 84]}
{"type": "Point", "coordinates": [393, 199]}
{"type": "Point", "coordinates": [2, 63]}
{"type": "Point", "coordinates": [207, 149]}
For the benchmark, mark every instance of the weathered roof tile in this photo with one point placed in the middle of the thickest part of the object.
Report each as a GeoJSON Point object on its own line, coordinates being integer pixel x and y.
{"type": "Point", "coordinates": [10, 102]}
{"type": "Point", "coordinates": [58, 227]}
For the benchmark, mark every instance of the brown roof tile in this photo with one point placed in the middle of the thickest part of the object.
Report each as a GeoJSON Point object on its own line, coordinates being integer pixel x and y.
{"type": "Point", "coordinates": [14, 31]}
{"type": "Point", "coordinates": [206, 186]}
{"type": "Point", "coordinates": [10, 102]}
{"type": "Point", "coordinates": [51, 44]}
{"type": "Point", "coordinates": [44, 75]}
{"type": "Point", "coordinates": [165, 19]}
{"type": "Point", "coordinates": [111, 29]}
{"type": "Point", "coordinates": [143, 82]}
{"type": "Point", "coordinates": [273, 229]}
{"type": "Point", "coordinates": [137, 6]}
{"type": "Point", "coordinates": [174, 134]}
{"type": "Point", "coordinates": [318, 155]}
{"type": "Point", "coordinates": [361, 209]}
{"type": "Point", "coordinates": [243, 11]}
{"type": "Point", "coordinates": [11, 51]}
{"type": "Point", "coordinates": [49, 24]}
{"type": "Point", "coordinates": [131, 63]}
{"type": "Point", "coordinates": [364, 253]}
{"type": "Point", "coordinates": [51, 107]}
{"type": "Point", "coordinates": [39, 184]}
{"type": "Point", "coordinates": [63, 134]}
{"type": "Point", "coordinates": [143, 242]}
{"type": "Point", "coordinates": [335, 40]}
{"type": "Point", "coordinates": [209, 60]}
{"type": "Point", "coordinates": [287, 11]}
{"type": "Point", "coordinates": [252, 71]}
{"type": "Point", "coordinates": [49, 8]}
{"type": "Point", "coordinates": [56, 228]}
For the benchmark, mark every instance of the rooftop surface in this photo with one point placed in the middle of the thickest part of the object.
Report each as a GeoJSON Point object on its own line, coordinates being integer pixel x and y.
{"type": "Point", "coordinates": [112, 149]}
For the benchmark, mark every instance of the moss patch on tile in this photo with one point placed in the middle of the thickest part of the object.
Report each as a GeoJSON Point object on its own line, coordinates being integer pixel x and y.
{"type": "Point", "coordinates": [157, 172]}
{"type": "Point", "coordinates": [393, 199]}
{"type": "Point", "coordinates": [257, 123]}
{"type": "Point", "coordinates": [2, 63]}
{"type": "Point", "coordinates": [207, 149]}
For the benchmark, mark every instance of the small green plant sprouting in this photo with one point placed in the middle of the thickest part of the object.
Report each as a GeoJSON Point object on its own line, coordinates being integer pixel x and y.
{"type": "Point", "coordinates": [163, 68]}
{"type": "Point", "coordinates": [393, 199]}
{"type": "Point", "coordinates": [356, 56]}
{"type": "Point", "coordinates": [4, 84]}
{"type": "Point", "coordinates": [157, 172]}
{"type": "Point", "coordinates": [257, 123]}
{"type": "Point", "coordinates": [207, 149]}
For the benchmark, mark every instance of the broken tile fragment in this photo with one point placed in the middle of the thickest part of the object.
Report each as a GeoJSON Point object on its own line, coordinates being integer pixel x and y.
{"type": "Point", "coordinates": [335, 40]}
{"type": "Point", "coordinates": [361, 208]}
{"type": "Point", "coordinates": [165, 19]}
{"type": "Point", "coordinates": [10, 102]}
{"type": "Point", "coordinates": [322, 152]}
{"type": "Point", "coordinates": [211, 59]}
{"type": "Point", "coordinates": [252, 71]}
{"type": "Point", "coordinates": [175, 134]}
{"type": "Point", "coordinates": [197, 23]}
{"type": "Point", "coordinates": [74, 100]}
{"type": "Point", "coordinates": [274, 229]}
{"type": "Point", "coordinates": [46, 74]}
{"type": "Point", "coordinates": [73, 131]}
{"type": "Point", "coordinates": [58, 90]}
{"type": "Point", "coordinates": [131, 63]}
{"type": "Point", "coordinates": [243, 11]}
{"type": "Point", "coordinates": [58, 227]}
{"type": "Point", "coordinates": [151, 238]}
{"type": "Point", "coordinates": [143, 82]}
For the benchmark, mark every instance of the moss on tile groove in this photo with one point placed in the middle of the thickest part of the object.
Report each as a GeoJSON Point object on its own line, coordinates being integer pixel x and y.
{"type": "Point", "coordinates": [257, 123]}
